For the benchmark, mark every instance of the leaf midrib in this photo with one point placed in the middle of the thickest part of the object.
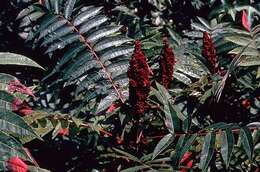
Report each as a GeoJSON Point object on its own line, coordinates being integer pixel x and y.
{"type": "Point", "coordinates": [96, 57]}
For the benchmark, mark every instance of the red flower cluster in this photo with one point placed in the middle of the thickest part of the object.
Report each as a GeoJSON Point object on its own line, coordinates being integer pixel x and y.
{"type": "Point", "coordinates": [17, 86]}
{"type": "Point", "coordinates": [139, 83]}
{"type": "Point", "coordinates": [15, 164]}
{"type": "Point", "coordinates": [209, 52]}
{"type": "Point", "coordinates": [167, 62]}
{"type": "Point", "coordinates": [22, 108]}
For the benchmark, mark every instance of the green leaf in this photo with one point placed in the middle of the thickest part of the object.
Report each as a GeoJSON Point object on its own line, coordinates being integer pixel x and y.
{"type": "Point", "coordinates": [25, 12]}
{"type": "Point", "coordinates": [242, 41]}
{"type": "Point", "coordinates": [219, 125]}
{"type": "Point", "coordinates": [175, 37]}
{"type": "Point", "coordinates": [75, 71]}
{"type": "Point", "coordinates": [227, 145]}
{"type": "Point", "coordinates": [5, 80]}
{"type": "Point", "coordinates": [131, 157]}
{"type": "Point", "coordinates": [207, 150]}
{"type": "Point", "coordinates": [183, 78]}
{"type": "Point", "coordinates": [102, 32]}
{"type": "Point", "coordinates": [183, 145]}
{"type": "Point", "coordinates": [6, 96]}
{"type": "Point", "coordinates": [63, 43]}
{"type": "Point", "coordinates": [187, 123]}
{"type": "Point", "coordinates": [110, 42]}
{"type": "Point", "coordinates": [6, 100]}
{"type": "Point", "coordinates": [10, 147]}
{"type": "Point", "coordinates": [37, 169]}
{"type": "Point", "coordinates": [250, 61]}
{"type": "Point", "coordinates": [56, 24]}
{"type": "Point", "coordinates": [47, 21]}
{"type": "Point", "coordinates": [56, 129]}
{"type": "Point", "coordinates": [85, 15]}
{"type": "Point", "coordinates": [190, 70]}
{"type": "Point", "coordinates": [136, 168]}
{"type": "Point", "coordinates": [57, 35]}
{"type": "Point", "coordinates": [247, 141]}
{"type": "Point", "coordinates": [12, 123]}
{"type": "Point", "coordinates": [164, 92]}
{"type": "Point", "coordinates": [234, 63]}
{"type": "Point", "coordinates": [27, 20]}
{"type": "Point", "coordinates": [172, 120]}
{"type": "Point", "coordinates": [163, 144]}
{"type": "Point", "coordinates": [95, 61]}
{"type": "Point", "coordinates": [16, 59]}
{"type": "Point", "coordinates": [106, 102]}
{"type": "Point", "coordinates": [69, 8]}
{"type": "Point", "coordinates": [116, 52]}
{"type": "Point", "coordinates": [204, 22]}
{"type": "Point", "coordinates": [199, 27]}
{"type": "Point", "coordinates": [92, 23]}
{"type": "Point", "coordinates": [68, 56]}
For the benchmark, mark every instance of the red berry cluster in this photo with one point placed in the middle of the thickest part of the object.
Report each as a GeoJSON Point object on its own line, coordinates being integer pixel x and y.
{"type": "Point", "coordinates": [209, 52]}
{"type": "Point", "coordinates": [139, 83]}
{"type": "Point", "coordinates": [167, 62]}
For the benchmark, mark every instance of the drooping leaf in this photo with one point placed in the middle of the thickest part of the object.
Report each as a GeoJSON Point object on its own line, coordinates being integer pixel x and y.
{"type": "Point", "coordinates": [16, 59]}
{"type": "Point", "coordinates": [10, 147]}
{"type": "Point", "coordinates": [183, 145]}
{"type": "Point", "coordinates": [6, 100]}
{"type": "Point", "coordinates": [247, 141]}
{"type": "Point", "coordinates": [103, 32]}
{"type": "Point", "coordinates": [95, 57]}
{"type": "Point", "coordinates": [88, 13]}
{"type": "Point", "coordinates": [110, 42]}
{"type": "Point", "coordinates": [37, 169]}
{"type": "Point", "coordinates": [136, 168]}
{"type": "Point", "coordinates": [12, 123]}
{"type": "Point", "coordinates": [92, 23]}
{"type": "Point", "coordinates": [163, 144]}
{"type": "Point", "coordinates": [69, 6]}
{"type": "Point", "coordinates": [207, 150]}
{"type": "Point", "coordinates": [227, 144]}
{"type": "Point", "coordinates": [5, 79]}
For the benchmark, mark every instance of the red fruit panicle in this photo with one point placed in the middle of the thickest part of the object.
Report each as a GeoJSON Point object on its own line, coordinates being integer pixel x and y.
{"type": "Point", "coordinates": [245, 21]}
{"type": "Point", "coordinates": [15, 164]}
{"type": "Point", "coordinates": [167, 62]}
{"type": "Point", "coordinates": [209, 52]}
{"type": "Point", "coordinates": [139, 83]}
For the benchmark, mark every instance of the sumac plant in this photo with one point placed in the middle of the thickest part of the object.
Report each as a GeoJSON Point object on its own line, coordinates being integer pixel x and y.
{"type": "Point", "coordinates": [129, 86]}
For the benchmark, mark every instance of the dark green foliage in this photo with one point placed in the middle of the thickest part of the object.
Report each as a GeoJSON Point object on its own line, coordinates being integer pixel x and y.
{"type": "Point", "coordinates": [93, 50]}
